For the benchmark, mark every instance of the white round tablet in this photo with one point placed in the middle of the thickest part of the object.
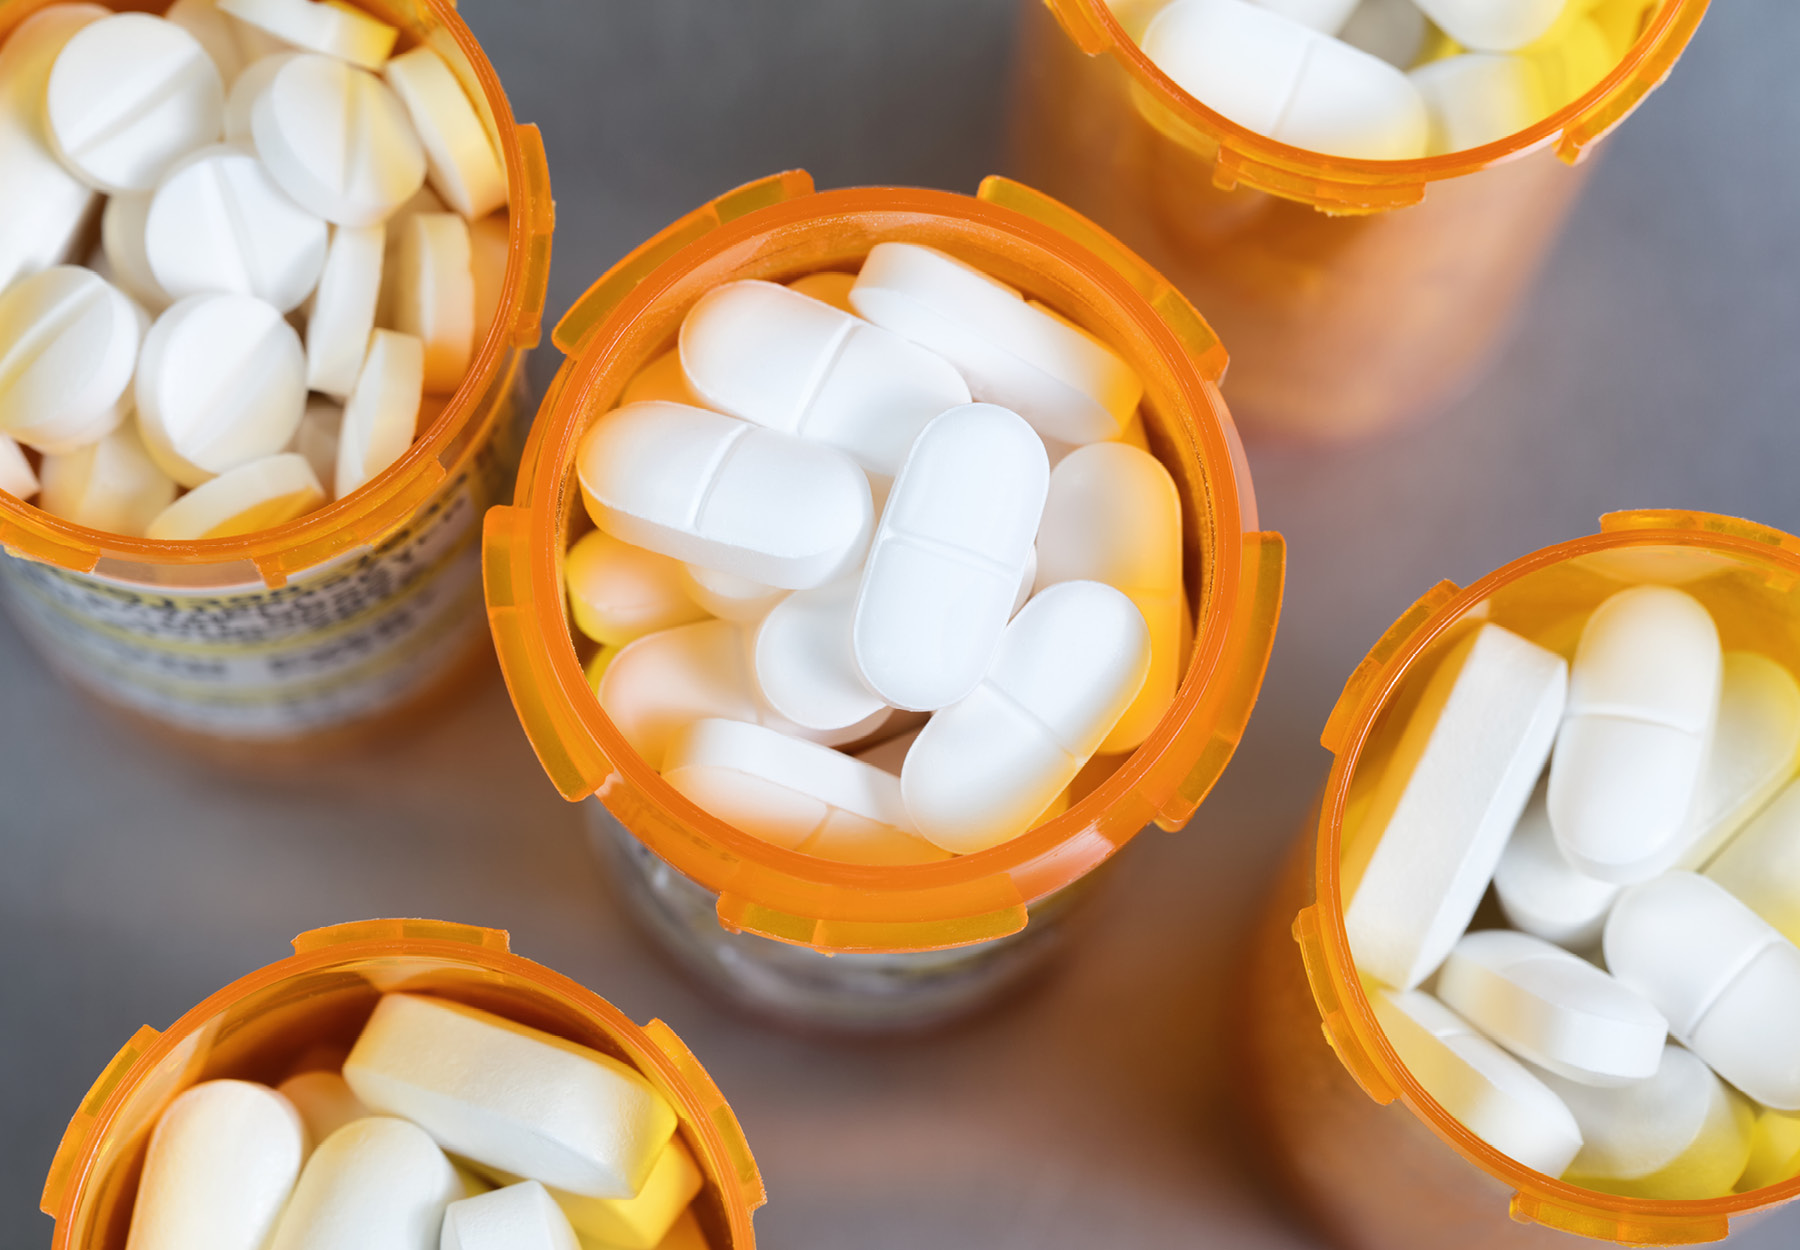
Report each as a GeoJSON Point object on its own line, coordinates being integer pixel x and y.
{"type": "Point", "coordinates": [343, 309]}
{"type": "Point", "coordinates": [383, 411]}
{"type": "Point", "coordinates": [338, 30]}
{"type": "Point", "coordinates": [434, 295]}
{"type": "Point", "coordinates": [68, 344]}
{"type": "Point", "coordinates": [464, 167]}
{"type": "Point", "coordinates": [255, 496]}
{"type": "Point", "coordinates": [122, 232]}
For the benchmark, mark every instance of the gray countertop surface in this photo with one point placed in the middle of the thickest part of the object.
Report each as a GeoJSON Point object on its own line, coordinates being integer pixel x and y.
{"type": "Point", "coordinates": [1657, 366]}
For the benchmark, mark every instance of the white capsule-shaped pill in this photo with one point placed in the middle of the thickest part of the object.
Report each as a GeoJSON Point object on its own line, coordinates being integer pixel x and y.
{"type": "Point", "coordinates": [338, 30]}
{"type": "Point", "coordinates": [1726, 980]}
{"type": "Point", "coordinates": [124, 238]}
{"type": "Point", "coordinates": [112, 485]}
{"type": "Point", "coordinates": [506, 1096]}
{"type": "Point", "coordinates": [1643, 696]}
{"type": "Point", "coordinates": [519, 1217]}
{"type": "Point", "coordinates": [1542, 893]}
{"type": "Point", "coordinates": [945, 565]}
{"type": "Point", "coordinates": [1680, 1134]}
{"type": "Point", "coordinates": [644, 1222]}
{"type": "Point", "coordinates": [1553, 1008]}
{"type": "Point", "coordinates": [68, 345]}
{"type": "Point", "coordinates": [255, 496]}
{"type": "Point", "coordinates": [382, 414]}
{"type": "Point", "coordinates": [324, 1100]}
{"type": "Point", "coordinates": [1497, 25]}
{"type": "Point", "coordinates": [1754, 748]}
{"type": "Point", "coordinates": [342, 315]}
{"type": "Point", "coordinates": [377, 1181]}
{"type": "Point", "coordinates": [128, 97]}
{"type": "Point", "coordinates": [1489, 1092]}
{"type": "Point", "coordinates": [1068, 384]}
{"type": "Point", "coordinates": [618, 593]}
{"type": "Point", "coordinates": [222, 382]}
{"type": "Point", "coordinates": [983, 770]}
{"type": "Point", "coordinates": [317, 438]}
{"type": "Point", "coordinates": [1422, 855]}
{"type": "Point", "coordinates": [728, 596]}
{"type": "Point", "coordinates": [780, 359]}
{"type": "Point", "coordinates": [1479, 98]}
{"type": "Point", "coordinates": [804, 663]}
{"type": "Point", "coordinates": [221, 1165]}
{"type": "Point", "coordinates": [1280, 78]}
{"type": "Point", "coordinates": [17, 478]}
{"type": "Point", "coordinates": [433, 295]}
{"type": "Point", "coordinates": [338, 140]}
{"type": "Point", "coordinates": [463, 164]}
{"type": "Point", "coordinates": [1393, 30]}
{"type": "Point", "coordinates": [1761, 865]}
{"type": "Point", "coordinates": [711, 490]}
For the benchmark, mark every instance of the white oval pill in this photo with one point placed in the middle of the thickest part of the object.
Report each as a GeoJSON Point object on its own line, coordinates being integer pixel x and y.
{"type": "Point", "coordinates": [1761, 865]}
{"type": "Point", "coordinates": [729, 596]}
{"type": "Point", "coordinates": [1643, 695]}
{"type": "Point", "coordinates": [1113, 515]}
{"type": "Point", "coordinates": [1064, 381]}
{"type": "Point", "coordinates": [463, 165]}
{"type": "Point", "coordinates": [1755, 743]}
{"type": "Point", "coordinates": [1553, 1008]}
{"type": "Point", "coordinates": [222, 382]}
{"type": "Point", "coordinates": [946, 562]}
{"type": "Point", "coordinates": [643, 1222]}
{"type": "Point", "coordinates": [1489, 1092]}
{"type": "Point", "coordinates": [1282, 79]}
{"type": "Point", "coordinates": [1728, 983]}
{"type": "Point", "coordinates": [317, 438]}
{"type": "Point", "coordinates": [618, 593]}
{"type": "Point", "coordinates": [805, 666]}
{"type": "Point", "coordinates": [255, 496]}
{"type": "Point", "coordinates": [68, 345]}
{"type": "Point", "coordinates": [434, 295]}
{"type": "Point", "coordinates": [383, 412]}
{"type": "Point", "coordinates": [221, 1164]}
{"type": "Point", "coordinates": [1681, 1134]}
{"type": "Point", "coordinates": [325, 1102]}
{"type": "Point", "coordinates": [378, 1181]}
{"type": "Point", "coordinates": [332, 29]}
{"type": "Point", "coordinates": [1496, 25]}
{"type": "Point", "coordinates": [16, 475]}
{"type": "Point", "coordinates": [342, 316]}
{"type": "Point", "coordinates": [1544, 894]}
{"type": "Point", "coordinates": [510, 1097]}
{"type": "Point", "coordinates": [711, 490]}
{"type": "Point", "coordinates": [1479, 98]}
{"type": "Point", "coordinates": [124, 226]}
{"type": "Point", "coordinates": [1419, 859]}
{"type": "Point", "coordinates": [518, 1217]}
{"type": "Point", "coordinates": [337, 139]}
{"type": "Point", "coordinates": [219, 224]}
{"type": "Point", "coordinates": [780, 359]}
{"type": "Point", "coordinates": [1066, 669]}
{"type": "Point", "coordinates": [240, 102]}
{"type": "Point", "coordinates": [112, 485]}
{"type": "Point", "coordinates": [129, 96]}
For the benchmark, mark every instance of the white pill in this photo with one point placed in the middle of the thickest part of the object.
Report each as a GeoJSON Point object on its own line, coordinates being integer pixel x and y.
{"type": "Point", "coordinates": [643, 1222]}
{"type": "Point", "coordinates": [519, 1217]}
{"type": "Point", "coordinates": [1496, 25]}
{"type": "Point", "coordinates": [618, 593]}
{"type": "Point", "coordinates": [665, 681]}
{"type": "Point", "coordinates": [222, 381]}
{"type": "Point", "coordinates": [231, 45]}
{"type": "Point", "coordinates": [383, 412]}
{"type": "Point", "coordinates": [68, 345]}
{"type": "Point", "coordinates": [805, 667]}
{"type": "Point", "coordinates": [828, 286]}
{"type": "Point", "coordinates": [711, 490]}
{"type": "Point", "coordinates": [1325, 16]}
{"type": "Point", "coordinates": [1479, 98]}
{"type": "Point", "coordinates": [945, 565]}
{"type": "Point", "coordinates": [112, 485]}
{"type": "Point", "coordinates": [332, 29]}
{"type": "Point", "coordinates": [124, 226]}
{"type": "Point", "coordinates": [1285, 80]}
{"type": "Point", "coordinates": [510, 1097]}
{"type": "Point", "coordinates": [1113, 516]}
{"type": "Point", "coordinates": [1774, 1151]}
{"type": "Point", "coordinates": [434, 295]}
{"type": "Point", "coordinates": [1417, 864]}
{"type": "Point", "coordinates": [338, 140]}
{"type": "Point", "coordinates": [1754, 748]}
{"type": "Point", "coordinates": [255, 496]}
{"type": "Point", "coordinates": [221, 1164]}
{"type": "Point", "coordinates": [1683, 1133]}
{"type": "Point", "coordinates": [16, 476]}
{"type": "Point", "coordinates": [1761, 865]}
{"type": "Point", "coordinates": [1393, 30]}
{"type": "Point", "coordinates": [1643, 697]}
{"type": "Point", "coordinates": [342, 315]}
{"type": "Point", "coordinates": [1727, 981]}
{"type": "Point", "coordinates": [783, 360]}
{"type": "Point", "coordinates": [1553, 1008]}
{"type": "Point", "coordinates": [1542, 892]}
{"type": "Point", "coordinates": [240, 102]}
{"type": "Point", "coordinates": [983, 770]}
{"type": "Point", "coordinates": [317, 438]}
{"type": "Point", "coordinates": [129, 96]}
{"type": "Point", "coordinates": [219, 224]}
{"type": "Point", "coordinates": [729, 596]}
{"type": "Point", "coordinates": [43, 207]}
{"type": "Point", "coordinates": [464, 167]}
{"type": "Point", "coordinates": [325, 1102]}
{"type": "Point", "coordinates": [377, 1181]}
{"type": "Point", "coordinates": [1062, 379]}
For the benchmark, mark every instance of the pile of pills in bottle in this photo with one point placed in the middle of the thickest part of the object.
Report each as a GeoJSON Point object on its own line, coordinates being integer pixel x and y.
{"type": "Point", "coordinates": [444, 1128]}
{"type": "Point", "coordinates": [881, 560]}
{"type": "Point", "coordinates": [1387, 79]}
{"type": "Point", "coordinates": [293, 242]}
{"type": "Point", "coordinates": [1635, 812]}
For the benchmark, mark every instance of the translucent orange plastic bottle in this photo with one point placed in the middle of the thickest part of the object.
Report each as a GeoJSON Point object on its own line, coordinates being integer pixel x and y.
{"type": "Point", "coordinates": [352, 618]}
{"type": "Point", "coordinates": [1378, 1162]}
{"type": "Point", "coordinates": [912, 945]}
{"type": "Point", "coordinates": [257, 1027]}
{"type": "Point", "coordinates": [1355, 294]}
